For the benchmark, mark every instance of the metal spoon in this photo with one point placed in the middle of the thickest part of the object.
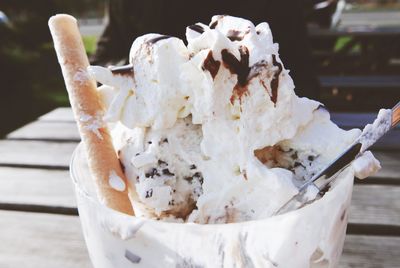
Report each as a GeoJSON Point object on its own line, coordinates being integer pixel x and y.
{"type": "Point", "coordinates": [312, 188]}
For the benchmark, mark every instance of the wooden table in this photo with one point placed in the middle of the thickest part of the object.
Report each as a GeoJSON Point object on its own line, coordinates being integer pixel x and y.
{"type": "Point", "coordinates": [38, 216]}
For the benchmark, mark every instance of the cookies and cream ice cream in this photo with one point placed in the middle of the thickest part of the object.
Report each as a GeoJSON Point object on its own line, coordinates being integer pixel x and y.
{"type": "Point", "coordinates": [212, 131]}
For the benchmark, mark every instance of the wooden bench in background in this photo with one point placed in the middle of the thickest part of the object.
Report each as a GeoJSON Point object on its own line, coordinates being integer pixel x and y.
{"type": "Point", "coordinates": [360, 92]}
{"type": "Point", "coordinates": [358, 61]}
{"type": "Point", "coordinates": [38, 215]}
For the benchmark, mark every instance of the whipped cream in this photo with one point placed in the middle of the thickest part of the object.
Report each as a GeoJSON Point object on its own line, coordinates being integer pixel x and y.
{"type": "Point", "coordinates": [374, 131]}
{"type": "Point", "coordinates": [365, 165]}
{"type": "Point", "coordinates": [212, 131]}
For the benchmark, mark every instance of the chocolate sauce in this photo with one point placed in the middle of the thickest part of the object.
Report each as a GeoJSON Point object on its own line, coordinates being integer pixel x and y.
{"type": "Point", "coordinates": [196, 28]}
{"type": "Point", "coordinates": [257, 68]}
{"type": "Point", "coordinates": [211, 65]}
{"type": "Point", "coordinates": [166, 171]}
{"type": "Point", "coordinates": [275, 80]}
{"type": "Point", "coordinates": [240, 68]}
{"type": "Point", "coordinates": [123, 70]}
{"type": "Point", "coordinates": [158, 38]}
{"type": "Point", "coordinates": [235, 35]}
{"type": "Point", "coordinates": [213, 24]}
{"type": "Point", "coordinates": [122, 166]}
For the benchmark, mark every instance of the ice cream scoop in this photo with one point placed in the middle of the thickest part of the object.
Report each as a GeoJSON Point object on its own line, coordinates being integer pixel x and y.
{"type": "Point", "coordinates": [212, 131]}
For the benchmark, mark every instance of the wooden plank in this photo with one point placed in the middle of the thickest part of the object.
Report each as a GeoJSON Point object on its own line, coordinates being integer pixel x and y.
{"type": "Point", "coordinates": [388, 159]}
{"type": "Point", "coordinates": [390, 162]}
{"type": "Point", "coordinates": [354, 120]}
{"type": "Point", "coordinates": [362, 82]}
{"type": "Point", "coordinates": [375, 205]}
{"type": "Point", "coordinates": [63, 114]}
{"type": "Point", "coordinates": [372, 18]}
{"type": "Point", "coordinates": [38, 187]}
{"type": "Point", "coordinates": [47, 130]}
{"type": "Point", "coordinates": [57, 155]}
{"type": "Point", "coordinates": [370, 252]}
{"type": "Point", "coordinates": [41, 240]}
{"type": "Point", "coordinates": [372, 204]}
{"type": "Point", "coordinates": [391, 141]}
{"type": "Point", "coordinates": [354, 31]}
{"type": "Point", "coordinates": [387, 173]}
{"type": "Point", "coordinates": [36, 153]}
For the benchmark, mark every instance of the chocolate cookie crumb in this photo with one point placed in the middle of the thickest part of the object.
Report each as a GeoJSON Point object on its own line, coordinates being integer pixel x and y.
{"type": "Point", "coordinates": [132, 257]}
{"type": "Point", "coordinates": [166, 171]}
{"type": "Point", "coordinates": [149, 193]}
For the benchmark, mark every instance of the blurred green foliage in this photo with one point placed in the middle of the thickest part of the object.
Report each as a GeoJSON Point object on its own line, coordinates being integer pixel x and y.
{"type": "Point", "coordinates": [341, 43]}
{"type": "Point", "coordinates": [30, 77]}
{"type": "Point", "coordinates": [90, 44]}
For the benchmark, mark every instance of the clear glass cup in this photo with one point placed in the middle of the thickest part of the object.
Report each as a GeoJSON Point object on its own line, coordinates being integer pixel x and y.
{"type": "Point", "coordinates": [312, 236]}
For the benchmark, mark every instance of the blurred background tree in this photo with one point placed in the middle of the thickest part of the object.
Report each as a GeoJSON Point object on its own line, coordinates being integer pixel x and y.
{"type": "Point", "coordinates": [30, 78]}
{"type": "Point", "coordinates": [31, 82]}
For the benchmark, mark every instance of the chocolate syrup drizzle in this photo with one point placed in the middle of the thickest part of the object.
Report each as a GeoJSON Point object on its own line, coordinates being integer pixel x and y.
{"type": "Point", "coordinates": [213, 24]}
{"type": "Point", "coordinates": [257, 68]}
{"type": "Point", "coordinates": [196, 28]}
{"type": "Point", "coordinates": [243, 71]}
{"type": "Point", "coordinates": [158, 38]}
{"type": "Point", "coordinates": [235, 35]}
{"type": "Point", "coordinates": [240, 68]}
{"type": "Point", "coordinates": [211, 65]}
{"type": "Point", "coordinates": [275, 80]}
{"type": "Point", "coordinates": [123, 70]}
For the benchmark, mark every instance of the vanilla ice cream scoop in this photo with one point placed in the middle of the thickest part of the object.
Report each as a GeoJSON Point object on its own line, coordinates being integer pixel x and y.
{"type": "Point", "coordinates": [164, 166]}
{"type": "Point", "coordinates": [212, 131]}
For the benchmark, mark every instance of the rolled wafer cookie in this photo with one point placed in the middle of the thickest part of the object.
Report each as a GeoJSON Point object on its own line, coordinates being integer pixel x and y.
{"type": "Point", "coordinates": [88, 110]}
